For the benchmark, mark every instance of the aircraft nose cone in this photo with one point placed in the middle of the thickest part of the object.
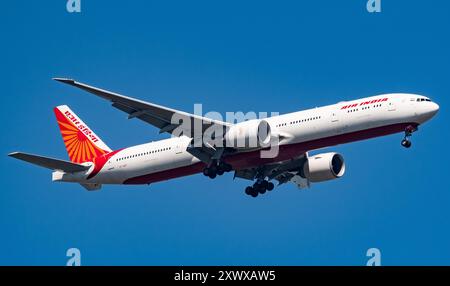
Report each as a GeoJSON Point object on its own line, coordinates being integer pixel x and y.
{"type": "Point", "coordinates": [426, 110]}
{"type": "Point", "coordinates": [434, 108]}
{"type": "Point", "coordinates": [430, 111]}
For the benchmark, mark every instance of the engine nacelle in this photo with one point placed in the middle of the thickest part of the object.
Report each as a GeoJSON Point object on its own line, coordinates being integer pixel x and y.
{"type": "Point", "coordinates": [249, 134]}
{"type": "Point", "coordinates": [324, 167]}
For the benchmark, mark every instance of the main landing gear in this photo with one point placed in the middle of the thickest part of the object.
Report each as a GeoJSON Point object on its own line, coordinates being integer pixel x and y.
{"type": "Point", "coordinates": [217, 168]}
{"type": "Point", "coordinates": [260, 187]}
{"type": "Point", "coordinates": [406, 142]}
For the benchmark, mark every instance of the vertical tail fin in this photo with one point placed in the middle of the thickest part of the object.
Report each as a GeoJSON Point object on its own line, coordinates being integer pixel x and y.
{"type": "Point", "coordinates": [82, 144]}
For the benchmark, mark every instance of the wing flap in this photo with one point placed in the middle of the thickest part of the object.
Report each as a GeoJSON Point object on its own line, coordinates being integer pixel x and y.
{"type": "Point", "coordinates": [49, 163]}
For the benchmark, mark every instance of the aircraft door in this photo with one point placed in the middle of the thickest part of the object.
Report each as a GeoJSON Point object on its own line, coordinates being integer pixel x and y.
{"type": "Point", "coordinates": [337, 121]}
{"type": "Point", "coordinates": [334, 116]}
{"type": "Point", "coordinates": [392, 106]}
{"type": "Point", "coordinates": [179, 147]}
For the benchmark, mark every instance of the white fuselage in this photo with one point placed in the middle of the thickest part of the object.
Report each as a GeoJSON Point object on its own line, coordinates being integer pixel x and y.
{"type": "Point", "coordinates": [301, 131]}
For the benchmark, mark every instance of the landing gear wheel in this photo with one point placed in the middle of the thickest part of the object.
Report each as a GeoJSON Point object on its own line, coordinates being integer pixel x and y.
{"type": "Point", "coordinates": [251, 191]}
{"type": "Point", "coordinates": [262, 190]}
{"type": "Point", "coordinates": [254, 194]}
{"type": "Point", "coordinates": [270, 186]}
{"type": "Point", "coordinates": [210, 172]}
{"type": "Point", "coordinates": [215, 169]}
{"type": "Point", "coordinates": [406, 143]}
{"type": "Point", "coordinates": [261, 187]}
{"type": "Point", "coordinates": [264, 184]}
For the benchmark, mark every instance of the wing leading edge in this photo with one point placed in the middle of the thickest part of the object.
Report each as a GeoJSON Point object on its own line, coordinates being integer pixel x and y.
{"type": "Point", "coordinates": [164, 118]}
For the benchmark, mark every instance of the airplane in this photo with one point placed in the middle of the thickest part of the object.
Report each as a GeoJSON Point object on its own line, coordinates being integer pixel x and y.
{"type": "Point", "coordinates": [293, 135]}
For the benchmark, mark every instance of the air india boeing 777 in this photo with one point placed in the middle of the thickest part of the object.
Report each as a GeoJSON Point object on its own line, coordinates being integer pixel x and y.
{"type": "Point", "coordinates": [201, 145]}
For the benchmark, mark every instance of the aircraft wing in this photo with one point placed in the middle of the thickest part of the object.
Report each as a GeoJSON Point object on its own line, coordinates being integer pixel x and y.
{"type": "Point", "coordinates": [164, 118]}
{"type": "Point", "coordinates": [49, 163]}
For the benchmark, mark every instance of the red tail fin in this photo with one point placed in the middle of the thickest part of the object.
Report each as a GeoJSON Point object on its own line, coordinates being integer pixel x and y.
{"type": "Point", "coordinates": [82, 144]}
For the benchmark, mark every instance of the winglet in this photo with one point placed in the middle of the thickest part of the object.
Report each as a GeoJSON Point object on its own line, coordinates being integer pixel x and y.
{"type": "Point", "coordinates": [64, 80]}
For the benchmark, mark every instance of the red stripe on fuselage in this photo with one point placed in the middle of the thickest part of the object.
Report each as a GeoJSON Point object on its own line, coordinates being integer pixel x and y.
{"type": "Point", "coordinates": [100, 161]}
{"type": "Point", "coordinates": [286, 152]}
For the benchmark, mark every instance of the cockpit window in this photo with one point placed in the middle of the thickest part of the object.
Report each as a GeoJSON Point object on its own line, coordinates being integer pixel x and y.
{"type": "Point", "coordinates": [423, 99]}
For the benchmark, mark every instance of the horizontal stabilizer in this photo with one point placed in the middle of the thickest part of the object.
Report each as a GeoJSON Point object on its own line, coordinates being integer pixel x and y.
{"type": "Point", "coordinates": [50, 163]}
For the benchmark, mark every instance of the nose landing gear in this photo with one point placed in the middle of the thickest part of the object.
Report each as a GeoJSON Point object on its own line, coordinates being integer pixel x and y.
{"type": "Point", "coordinates": [406, 142]}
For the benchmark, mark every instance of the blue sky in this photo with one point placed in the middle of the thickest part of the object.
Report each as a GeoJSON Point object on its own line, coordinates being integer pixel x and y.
{"type": "Point", "coordinates": [229, 56]}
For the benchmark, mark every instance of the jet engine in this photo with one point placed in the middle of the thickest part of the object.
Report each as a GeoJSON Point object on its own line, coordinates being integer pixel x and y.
{"type": "Point", "coordinates": [324, 167]}
{"type": "Point", "coordinates": [249, 134]}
